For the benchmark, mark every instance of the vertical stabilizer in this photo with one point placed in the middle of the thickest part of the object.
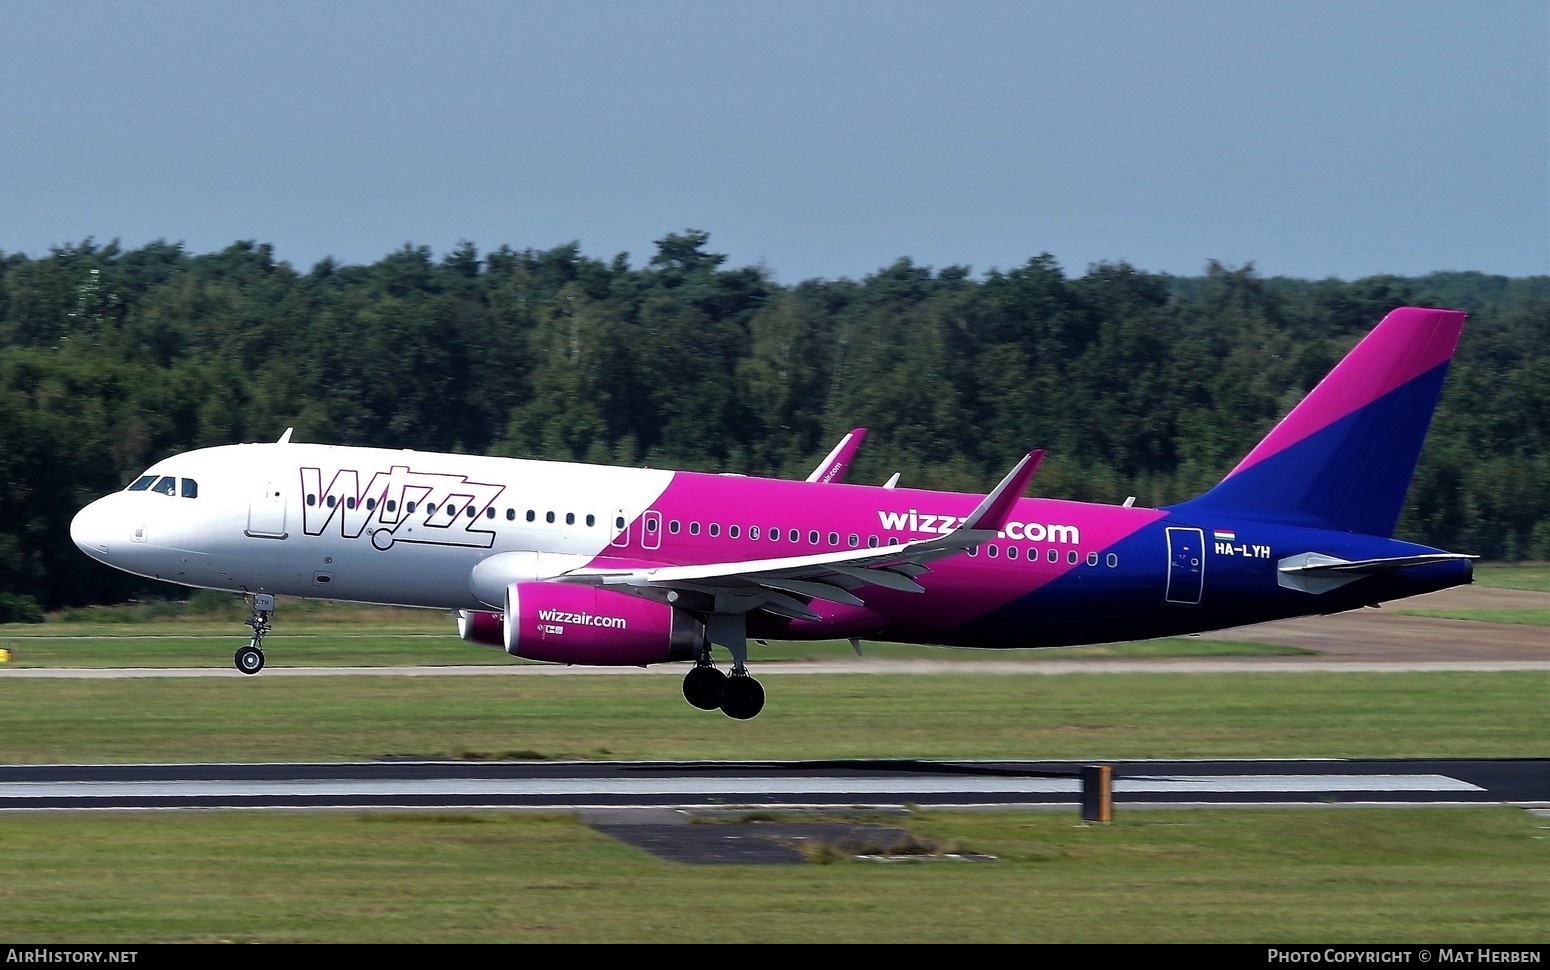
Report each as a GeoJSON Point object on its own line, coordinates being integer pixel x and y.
{"type": "Point", "coordinates": [1343, 458]}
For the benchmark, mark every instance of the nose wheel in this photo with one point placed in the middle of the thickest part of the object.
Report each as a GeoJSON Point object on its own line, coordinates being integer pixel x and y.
{"type": "Point", "coordinates": [250, 659]}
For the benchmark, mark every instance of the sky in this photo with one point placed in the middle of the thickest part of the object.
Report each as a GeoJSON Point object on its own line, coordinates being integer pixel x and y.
{"type": "Point", "coordinates": [813, 138]}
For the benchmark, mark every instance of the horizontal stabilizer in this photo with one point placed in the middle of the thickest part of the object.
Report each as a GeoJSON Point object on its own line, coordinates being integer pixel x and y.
{"type": "Point", "coordinates": [1313, 572]}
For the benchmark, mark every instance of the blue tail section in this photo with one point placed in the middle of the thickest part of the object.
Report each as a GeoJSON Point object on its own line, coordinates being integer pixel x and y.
{"type": "Point", "coordinates": [1343, 458]}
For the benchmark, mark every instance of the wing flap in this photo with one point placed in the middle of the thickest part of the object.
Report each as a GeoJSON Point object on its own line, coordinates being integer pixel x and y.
{"type": "Point", "coordinates": [815, 590]}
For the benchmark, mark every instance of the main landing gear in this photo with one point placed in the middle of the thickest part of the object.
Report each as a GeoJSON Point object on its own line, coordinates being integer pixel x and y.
{"type": "Point", "coordinates": [250, 659]}
{"type": "Point", "coordinates": [739, 695]}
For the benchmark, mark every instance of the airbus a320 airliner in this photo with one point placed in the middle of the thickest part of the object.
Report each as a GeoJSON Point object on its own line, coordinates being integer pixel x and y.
{"type": "Point", "coordinates": [587, 564]}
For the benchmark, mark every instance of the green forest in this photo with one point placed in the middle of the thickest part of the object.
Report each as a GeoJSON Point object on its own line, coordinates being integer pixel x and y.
{"type": "Point", "coordinates": [1138, 384]}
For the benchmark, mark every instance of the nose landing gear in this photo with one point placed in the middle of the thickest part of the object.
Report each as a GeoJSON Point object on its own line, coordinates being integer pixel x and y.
{"type": "Point", "coordinates": [250, 659]}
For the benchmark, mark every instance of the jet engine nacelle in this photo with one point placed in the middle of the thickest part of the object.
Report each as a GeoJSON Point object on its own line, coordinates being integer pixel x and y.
{"type": "Point", "coordinates": [572, 624]}
{"type": "Point", "coordinates": [481, 626]}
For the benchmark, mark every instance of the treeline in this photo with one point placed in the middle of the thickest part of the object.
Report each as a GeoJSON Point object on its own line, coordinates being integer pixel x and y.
{"type": "Point", "coordinates": [1138, 384]}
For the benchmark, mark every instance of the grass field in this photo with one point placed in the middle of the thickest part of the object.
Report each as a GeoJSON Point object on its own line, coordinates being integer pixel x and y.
{"type": "Point", "coordinates": [1320, 876]}
{"type": "Point", "coordinates": [642, 715]}
{"type": "Point", "coordinates": [1298, 875]}
{"type": "Point", "coordinates": [1532, 576]}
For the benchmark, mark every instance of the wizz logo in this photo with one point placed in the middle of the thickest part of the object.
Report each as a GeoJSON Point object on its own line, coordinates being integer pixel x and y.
{"type": "Point", "coordinates": [399, 505]}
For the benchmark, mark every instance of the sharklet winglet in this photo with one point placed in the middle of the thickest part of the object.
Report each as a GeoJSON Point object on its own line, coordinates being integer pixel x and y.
{"type": "Point", "coordinates": [834, 465]}
{"type": "Point", "coordinates": [997, 507]}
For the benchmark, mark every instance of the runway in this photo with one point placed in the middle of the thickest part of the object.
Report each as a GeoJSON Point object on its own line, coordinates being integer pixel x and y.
{"type": "Point", "coordinates": [573, 786]}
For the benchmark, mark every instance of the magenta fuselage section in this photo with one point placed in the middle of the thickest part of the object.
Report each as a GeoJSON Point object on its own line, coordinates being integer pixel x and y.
{"type": "Point", "coordinates": [701, 518]}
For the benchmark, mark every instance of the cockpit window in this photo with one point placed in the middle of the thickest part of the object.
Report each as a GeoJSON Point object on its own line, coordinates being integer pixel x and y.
{"type": "Point", "coordinates": [165, 485]}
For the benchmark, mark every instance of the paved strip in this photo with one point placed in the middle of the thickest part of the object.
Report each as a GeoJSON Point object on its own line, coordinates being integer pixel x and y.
{"type": "Point", "coordinates": [576, 787]}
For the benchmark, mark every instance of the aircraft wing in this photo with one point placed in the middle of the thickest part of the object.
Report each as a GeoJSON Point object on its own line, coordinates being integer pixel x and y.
{"type": "Point", "coordinates": [834, 466]}
{"type": "Point", "coordinates": [784, 586]}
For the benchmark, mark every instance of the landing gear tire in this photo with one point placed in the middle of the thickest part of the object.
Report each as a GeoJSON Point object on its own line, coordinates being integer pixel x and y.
{"type": "Point", "coordinates": [743, 698]}
{"type": "Point", "coordinates": [250, 660]}
{"type": "Point", "coordinates": [704, 686]}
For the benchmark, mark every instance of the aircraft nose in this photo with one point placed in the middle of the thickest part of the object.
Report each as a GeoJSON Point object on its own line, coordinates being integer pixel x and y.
{"type": "Point", "coordinates": [92, 528]}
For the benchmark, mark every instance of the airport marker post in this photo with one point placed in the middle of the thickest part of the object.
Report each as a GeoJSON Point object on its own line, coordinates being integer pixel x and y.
{"type": "Point", "coordinates": [1098, 793]}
